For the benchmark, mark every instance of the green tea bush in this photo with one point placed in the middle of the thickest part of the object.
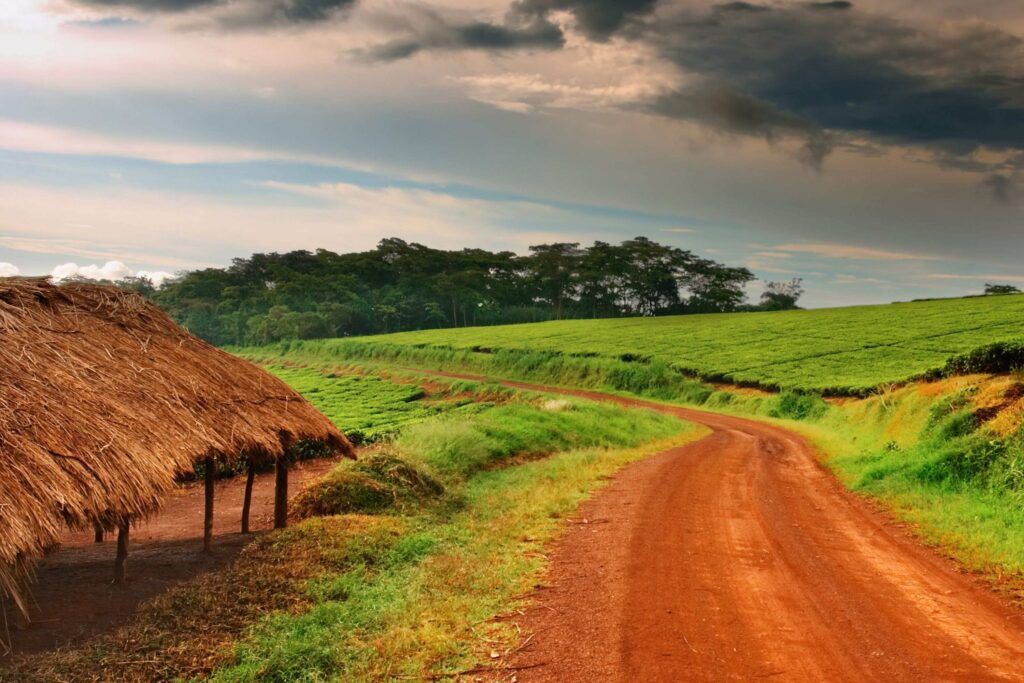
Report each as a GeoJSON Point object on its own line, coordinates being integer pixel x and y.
{"type": "Point", "coordinates": [842, 351]}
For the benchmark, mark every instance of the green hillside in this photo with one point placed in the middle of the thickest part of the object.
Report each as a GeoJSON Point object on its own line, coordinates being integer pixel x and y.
{"type": "Point", "coordinates": [841, 350]}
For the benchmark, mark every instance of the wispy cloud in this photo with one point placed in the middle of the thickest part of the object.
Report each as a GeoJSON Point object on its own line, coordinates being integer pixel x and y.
{"type": "Point", "coordinates": [852, 252]}
{"type": "Point", "coordinates": [21, 136]}
{"type": "Point", "coordinates": [771, 254]}
{"type": "Point", "coordinates": [759, 265]}
{"type": "Point", "coordinates": [31, 137]}
{"type": "Point", "coordinates": [846, 279]}
{"type": "Point", "coordinates": [531, 91]}
{"type": "Point", "coordinates": [976, 278]}
{"type": "Point", "coordinates": [88, 249]}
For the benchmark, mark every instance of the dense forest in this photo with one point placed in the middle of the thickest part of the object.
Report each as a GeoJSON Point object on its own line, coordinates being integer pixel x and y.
{"type": "Point", "coordinates": [406, 286]}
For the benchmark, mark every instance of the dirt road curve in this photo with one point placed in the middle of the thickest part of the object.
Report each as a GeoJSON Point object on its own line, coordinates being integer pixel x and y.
{"type": "Point", "coordinates": [738, 557]}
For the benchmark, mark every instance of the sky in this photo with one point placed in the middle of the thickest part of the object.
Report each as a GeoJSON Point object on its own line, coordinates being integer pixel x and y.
{"type": "Point", "coordinates": [874, 148]}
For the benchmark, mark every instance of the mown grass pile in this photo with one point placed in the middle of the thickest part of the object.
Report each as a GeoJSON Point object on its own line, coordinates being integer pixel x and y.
{"type": "Point", "coordinates": [375, 483]}
{"type": "Point", "coordinates": [839, 351]}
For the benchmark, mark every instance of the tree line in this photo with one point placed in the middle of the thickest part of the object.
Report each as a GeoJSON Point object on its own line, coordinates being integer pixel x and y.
{"type": "Point", "coordinates": [402, 285]}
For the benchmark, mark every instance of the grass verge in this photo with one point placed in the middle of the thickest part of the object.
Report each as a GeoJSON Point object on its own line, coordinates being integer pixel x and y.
{"type": "Point", "coordinates": [444, 532]}
{"type": "Point", "coordinates": [944, 456]}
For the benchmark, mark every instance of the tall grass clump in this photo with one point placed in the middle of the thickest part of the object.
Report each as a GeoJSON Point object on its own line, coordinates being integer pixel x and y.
{"type": "Point", "coordinates": [458, 448]}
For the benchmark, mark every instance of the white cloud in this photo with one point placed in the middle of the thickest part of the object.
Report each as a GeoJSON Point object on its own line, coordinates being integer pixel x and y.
{"type": "Point", "coordinates": [847, 279]}
{"type": "Point", "coordinates": [681, 231]}
{"type": "Point", "coordinates": [976, 278]}
{"type": "Point", "coordinates": [849, 251]}
{"type": "Point", "coordinates": [157, 277]}
{"type": "Point", "coordinates": [423, 213]}
{"type": "Point", "coordinates": [162, 231]}
{"type": "Point", "coordinates": [111, 270]}
{"type": "Point", "coordinates": [8, 269]}
{"type": "Point", "coordinates": [524, 92]}
{"type": "Point", "coordinates": [771, 254]}
{"type": "Point", "coordinates": [21, 136]}
{"type": "Point", "coordinates": [91, 249]}
{"type": "Point", "coordinates": [768, 266]}
{"type": "Point", "coordinates": [31, 137]}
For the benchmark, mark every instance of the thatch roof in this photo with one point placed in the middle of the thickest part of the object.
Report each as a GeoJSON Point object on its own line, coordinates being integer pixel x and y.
{"type": "Point", "coordinates": [104, 400]}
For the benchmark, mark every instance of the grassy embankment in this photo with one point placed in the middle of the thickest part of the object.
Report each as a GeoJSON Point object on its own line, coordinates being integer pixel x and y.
{"type": "Point", "coordinates": [946, 455]}
{"type": "Point", "coordinates": [441, 528]}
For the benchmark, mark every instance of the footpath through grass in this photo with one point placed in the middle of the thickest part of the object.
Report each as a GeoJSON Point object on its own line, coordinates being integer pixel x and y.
{"type": "Point", "coordinates": [839, 351]}
{"type": "Point", "coordinates": [439, 529]}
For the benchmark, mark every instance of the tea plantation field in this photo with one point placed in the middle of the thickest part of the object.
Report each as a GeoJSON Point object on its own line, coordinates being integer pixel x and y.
{"type": "Point", "coordinates": [368, 407]}
{"type": "Point", "coordinates": [838, 350]}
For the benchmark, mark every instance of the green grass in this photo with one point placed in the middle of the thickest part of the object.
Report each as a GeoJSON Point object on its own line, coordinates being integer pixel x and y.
{"type": "Point", "coordinates": [442, 529]}
{"type": "Point", "coordinates": [920, 452]}
{"type": "Point", "coordinates": [841, 350]}
{"type": "Point", "coordinates": [368, 407]}
{"type": "Point", "coordinates": [958, 482]}
{"type": "Point", "coordinates": [423, 606]}
{"type": "Point", "coordinates": [183, 632]}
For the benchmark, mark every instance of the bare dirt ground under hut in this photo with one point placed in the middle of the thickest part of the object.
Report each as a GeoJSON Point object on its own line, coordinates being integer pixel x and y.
{"type": "Point", "coordinates": [74, 598]}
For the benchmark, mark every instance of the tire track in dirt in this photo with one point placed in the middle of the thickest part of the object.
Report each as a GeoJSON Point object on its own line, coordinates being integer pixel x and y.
{"type": "Point", "coordinates": [738, 557]}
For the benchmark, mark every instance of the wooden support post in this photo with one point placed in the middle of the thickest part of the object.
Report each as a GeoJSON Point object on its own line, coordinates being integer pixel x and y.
{"type": "Point", "coordinates": [208, 512]}
{"type": "Point", "coordinates": [247, 501]}
{"type": "Point", "coordinates": [281, 494]}
{"type": "Point", "coordinates": [98, 538]}
{"type": "Point", "coordinates": [122, 551]}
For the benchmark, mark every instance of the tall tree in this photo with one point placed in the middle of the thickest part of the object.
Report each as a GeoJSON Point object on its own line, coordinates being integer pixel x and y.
{"type": "Point", "coordinates": [782, 296]}
{"type": "Point", "coordinates": [715, 288]}
{"type": "Point", "coordinates": [402, 285]}
{"type": "Point", "coordinates": [554, 270]}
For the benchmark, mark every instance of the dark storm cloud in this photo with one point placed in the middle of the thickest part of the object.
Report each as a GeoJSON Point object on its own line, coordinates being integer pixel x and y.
{"type": "Point", "coordinates": [527, 24]}
{"type": "Point", "coordinates": [835, 5]}
{"type": "Point", "coordinates": [240, 13]}
{"type": "Point", "coordinates": [598, 19]}
{"type": "Point", "coordinates": [429, 30]}
{"type": "Point", "coordinates": [798, 70]}
{"type": "Point", "coordinates": [738, 113]}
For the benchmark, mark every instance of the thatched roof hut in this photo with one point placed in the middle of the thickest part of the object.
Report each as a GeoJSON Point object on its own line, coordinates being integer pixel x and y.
{"type": "Point", "coordinates": [104, 400]}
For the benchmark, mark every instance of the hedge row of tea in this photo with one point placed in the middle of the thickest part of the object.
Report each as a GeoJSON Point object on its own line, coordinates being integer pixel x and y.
{"type": "Point", "coordinates": [839, 350]}
{"type": "Point", "coordinates": [368, 407]}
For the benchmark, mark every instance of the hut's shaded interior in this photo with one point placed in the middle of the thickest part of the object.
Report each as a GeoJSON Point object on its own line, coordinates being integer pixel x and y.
{"type": "Point", "coordinates": [104, 400]}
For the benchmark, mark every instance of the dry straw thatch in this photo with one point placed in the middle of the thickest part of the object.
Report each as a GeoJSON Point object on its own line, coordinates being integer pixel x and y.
{"type": "Point", "coordinates": [104, 400]}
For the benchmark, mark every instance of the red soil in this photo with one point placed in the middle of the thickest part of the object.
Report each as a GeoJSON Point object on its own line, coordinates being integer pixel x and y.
{"type": "Point", "coordinates": [738, 557]}
{"type": "Point", "coordinates": [74, 598]}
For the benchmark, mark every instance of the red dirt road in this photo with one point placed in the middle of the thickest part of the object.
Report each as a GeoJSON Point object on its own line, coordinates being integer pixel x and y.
{"type": "Point", "coordinates": [738, 557]}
